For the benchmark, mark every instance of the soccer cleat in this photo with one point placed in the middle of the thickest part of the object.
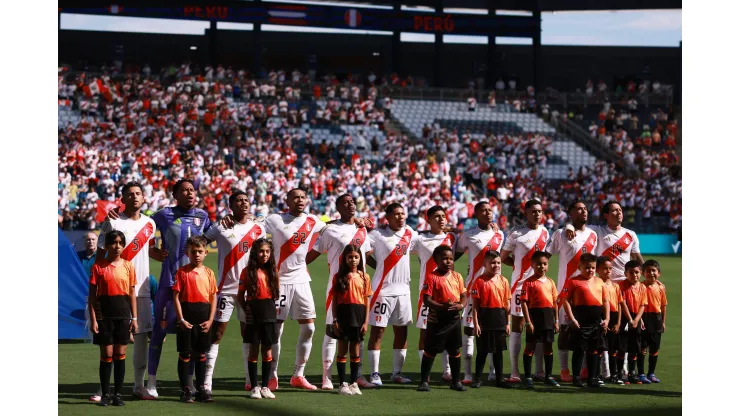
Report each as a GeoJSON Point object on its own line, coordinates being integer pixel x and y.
{"type": "Point", "coordinates": [632, 379]}
{"type": "Point", "coordinates": [256, 394]}
{"type": "Point", "coordinates": [476, 383]}
{"type": "Point", "coordinates": [186, 396]}
{"type": "Point", "coordinates": [141, 393]}
{"type": "Point", "coordinates": [616, 380]}
{"type": "Point", "coordinates": [363, 383]}
{"type": "Point", "coordinates": [399, 378]}
{"type": "Point", "coordinates": [539, 377]}
{"type": "Point", "coordinates": [300, 382]}
{"type": "Point", "coordinates": [653, 379]}
{"type": "Point", "coordinates": [458, 386]}
{"type": "Point", "coordinates": [344, 390]}
{"type": "Point", "coordinates": [491, 375]}
{"type": "Point", "coordinates": [272, 384]}
{"type": "Point", "coordinates": [645, 380]}
{"type": "Point", "coordinates": [550, 381]}
{"type": "Point", "coordinates": [152, 389]}
{"type": "Point", "coordinates": [584, 373]}
{"type": "Point", "coordinates": [266, 393]}
{"type": "Point", "coordinates": [355, 389]}
{"type": "Point", "coordinates": [424, 386]}
{"type": "Point", "coordinates": [447, 377]}
{"type": "Point", "coordinates": [467, 381]}
{"type": "Point", "coordinates": [326, 384]}
{"type": "Point", "coordinates": [204, 396]}
{"type": "Point", "coordinates": [247, 387]}
{"type": "Point", "coordinates": [94, 399]}
{"type": "Point", "coordinates": [513, 379]}
{"type": "Point", "coordinates": [578, 383]}
{"type": "Point", "coordinates": [104, 400]}
{"type": "Point", "coordinates": [594, 383]}
{"type": "Point", "coordinates": [600, 380]}
{"type": "Point", "coordinates": [375, 379]}
{"type": "Point", "coordinates": [565, 376]}
{"type": "Point", "coordinates": [528, 383]}
{"type": "Point", "coordinates": [117, 400]}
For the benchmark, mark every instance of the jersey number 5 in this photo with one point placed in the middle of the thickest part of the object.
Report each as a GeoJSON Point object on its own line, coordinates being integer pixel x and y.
{"type": "Point", "coordinates": [135, 244]}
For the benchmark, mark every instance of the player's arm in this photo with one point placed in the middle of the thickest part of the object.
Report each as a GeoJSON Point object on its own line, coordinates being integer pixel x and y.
{"type": "Point", "coordinates": [369, 294]}
{"type": "Point", "coordinates": [625, 311]}
{"type": "Point", "coordinates": [240, 298]}
{"type": "Point", "coordinates": [132, 300]}
{"type": "Point", "coordinates": [312, 255]}
{"type": "Point", "coordinates": [178, 309]}
{"type": "Point", "coordinates": [506, 258]}
{"type": "Point", "coordinates": [459, 305]}
{"type": "Point", "coordinates": [663, 313]}
{"type": "Point", "coordinates": [637, 256]}
{"type": "Point", "coordinates": [476, 325]}
{"type": "Point", "coordinates": [370, 260]}
{"type": "Point", "coordinates": [158, 254]}
{"type": "Point", "coordinates": [460, 249]}
{"type": "Point", "coordinates": [525, 311]}
{"type": "Point", "coordinates": [616, 325]}
{"type": "Point", "coordinates": [569, 312]}
{"type": "Point", "coordinates": [92, 301]}
{"type": "Point", "coordinates": [605, 322]}
{"type": "Point", "coordinates": [206, 326]}
{"type": "Point", "coordinates": [432, 304]}
{"type": "Point", "coordinates": [638, 316]}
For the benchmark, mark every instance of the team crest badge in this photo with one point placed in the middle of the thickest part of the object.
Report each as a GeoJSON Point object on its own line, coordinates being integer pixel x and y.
{"type": "Point", "coordinates": [196, 221]}
{"type": "Point", "coordinates": [497, 239]}
{"type": "Point", "coordinates": [254, 235]}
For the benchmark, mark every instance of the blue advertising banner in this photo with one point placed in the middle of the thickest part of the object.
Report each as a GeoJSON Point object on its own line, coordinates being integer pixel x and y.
{"type": "Point", "coordinates": [659, 244]}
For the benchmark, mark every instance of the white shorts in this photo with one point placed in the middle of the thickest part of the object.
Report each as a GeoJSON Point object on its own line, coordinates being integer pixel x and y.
{"type": "Point", "coordinates": [467, 315]}
{"type": "Point", "coordinates": [391, 310]}
{"type": "Point", "coordinates": [516, 304]}
{"type": "Point", "coordinates": [225, 306]}
{"type": "Point", "coordinates": [295, 301]}
{"type": "Point", "coordinates": [422, 313]}
{"type": "Point", "coordinates": [144, 314]}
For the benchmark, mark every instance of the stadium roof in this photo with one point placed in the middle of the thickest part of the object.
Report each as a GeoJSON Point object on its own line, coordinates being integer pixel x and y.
{"type": "Point", "coordinates": [544, 5]}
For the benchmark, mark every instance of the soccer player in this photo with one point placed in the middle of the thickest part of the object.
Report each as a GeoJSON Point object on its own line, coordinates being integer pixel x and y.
{"type": "Point", "coordinates": [138, 229]}
{"type": "Point", "coordinates": [391, 301]}
{"type": "Point", "coordinates": [538, 298]}
{"type": "Point", "coordinates": [522, 242]}
{"type": "Point", "coordinates": [654, 320]}
{"type": "Point", "coordinates": [335, 237]}
{"type": "Point", "coordinates": [113, 292]}
{"type": "Point", "coordinates": [429, 241]}
{"type": "Point", "coordinates": [176, 224]}
{"type": "Point", "coordinates": [570, 252]}
{"type": "Point", "coordinates": [616, 303]}
{"type": "Point", "coordinates": [635, 296]}
{"type": "Point", "coordinates": [477, 241]}
{"type": "Point", "coordinates": [194, 297]}
{"type": "Point", "coordinates": [585, 301]}
{"type": "Point", "coordinates": [491, 302]}
{"type": "Point", "coordinates": [444, 294]}
{"type": "Point", "coordinates": [292, 235]}
{"type": "Point", "coordinates": [234, 244]}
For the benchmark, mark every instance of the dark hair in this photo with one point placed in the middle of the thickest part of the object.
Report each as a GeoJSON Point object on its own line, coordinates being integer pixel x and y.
{"type": "Point", "coordinates": [439, 250]}
{"type": "Point", "coordinates": [339, 198]}
{"type": "Point", "coordinates": [531, 203]}
{"type": "Point", "coordinates": [601, 260]}
{"type": "Point", "coordinates": [392, 207]}
{"type": "Point", "coordinates": [480, 205]}
{"type": "Point", "coordinates": [110, 237]}
{"type": "Point", "coordinates": [431, 211]}
{"type": "Point", "coordinates": [269, 268]}
{"type": "Point", "coordinates": [196, 241]}
{"type": "Point", "coordinates": [632, 264]}
{"type": "Point", "coordinates": [492, 253]}
{"type": "Point", "coordinates": [537, 254]}
{"type": "Point", "coordinates": [129, 185]}
{"type": "Point", "coordinates": [235, 194]}
{"type": "Point", "coordinates": [180, 183]}
{"type": "Point", "coordinates": [294, 190]}
{"type": "Point", "coordinates": [651, 263]}
{"type": "Point", "coordinates": [587, 258]}
{"type": "Point", "coordinates": [574, 203]}
{"type": "Point", "coordinates": [342, 276]}
{"type": "Point", "coordinates": [608, 204]}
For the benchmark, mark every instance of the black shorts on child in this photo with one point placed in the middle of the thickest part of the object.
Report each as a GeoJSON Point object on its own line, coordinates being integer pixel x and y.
{"type": "Point", "coordinates": [612, 338]}
{"type": "Point", "coordinates": [113, 332]}
{"type": "Point", "coordinates": [265, 333]}
{"type": "Point", "coordinates": [444, 335]}
{"type": "Point", "coordinates": [193, 340]}
{"type": "Point", "coordinates": [543, 320]}
{"type": "Point", "coordinates": [491, 341]}
{"type": "Point", "coordinates": [630, 339]}
{"type": "Point", "coordinates": [650, 340]}
{"type": "Point", "coordinates": [350, 318]}
{"type": "Point", "coordinates": [564, 336]}
{"type": "Point", "coordinates": [588, 338]}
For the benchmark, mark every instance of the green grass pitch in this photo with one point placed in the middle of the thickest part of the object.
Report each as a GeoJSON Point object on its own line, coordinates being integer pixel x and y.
{"type": "Point", "coordinates": [78, 375]}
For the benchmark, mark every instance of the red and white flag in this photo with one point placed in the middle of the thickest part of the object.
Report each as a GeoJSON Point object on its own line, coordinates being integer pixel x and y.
{"type": "Point", "coordinates": [93, 88]}
{"type": "Point", "coordinates": [102, 208]}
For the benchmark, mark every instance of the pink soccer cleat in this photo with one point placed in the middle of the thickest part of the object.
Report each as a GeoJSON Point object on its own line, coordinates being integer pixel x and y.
{"type": "Point", "coordinates": [300, 382]}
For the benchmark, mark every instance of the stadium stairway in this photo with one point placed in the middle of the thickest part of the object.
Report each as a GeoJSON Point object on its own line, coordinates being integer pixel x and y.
{"type": "Point", "coordinates": [68, 115]}
{"type": "Point", "coordinates": [413, 115]}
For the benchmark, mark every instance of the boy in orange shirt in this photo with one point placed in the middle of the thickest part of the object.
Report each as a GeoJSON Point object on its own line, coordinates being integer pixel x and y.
{"type": "Point", "coordinates": [539, 297]}
{"type": "Point", "coordinates": [654, 320]}
{"type": "Point", "coordinates": [444, 294]}
{"type": "Point", "coordinates": [616, 306]}
{"type": "Point", "coordinates": [635, 296]}
{"type": "Point", "coordinates": [195, 304]}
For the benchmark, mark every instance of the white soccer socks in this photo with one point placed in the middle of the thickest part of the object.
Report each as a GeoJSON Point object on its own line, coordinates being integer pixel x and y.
{"type": "Point", "coordinates": [303, 348]}
{"type": "Point", "coordinates": [211, 356]}
{"type": "Point", "coordinates": [141, 355]}
{"type": "Point", "coordinates": [399, 358]}
{"type": "Point", "coordinates": [276, 351]}
{"type": "Point", "coordinates": [515, 348]}
{"type": "Point", "coordinates": [328, 350]}
{"type": "Point", "coordinates": [373, 356]}
{"type": "Point", "coordinates": [563, 357]}
{"type": "Point", "coordinates": [245, 357]}
{"type": "Point", "coordinates": [467, 347]}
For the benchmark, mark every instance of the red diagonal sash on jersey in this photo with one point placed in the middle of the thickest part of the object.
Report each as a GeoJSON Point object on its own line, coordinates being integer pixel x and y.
{"type": "Point", "coordinates": [290, 246]}
{"type": "Point", "coordinates": [478, 260]}
{"type": "Point", "coordinates": [390, 262]}
{"type": "Point", "coordinates": [587, 247]}
{"type": "Point", "coordinates": [138, 242]}
{"type": "Point", "coordinates": [431, 266]}
{"type": "Point", "coordinates": [358, 240]}
{"type": "Point", "coordinates": [527, 260]}
{"type": "Point", "coordinates": [618, 247]}
{"type": "Point", "coordinates": [236, 253]}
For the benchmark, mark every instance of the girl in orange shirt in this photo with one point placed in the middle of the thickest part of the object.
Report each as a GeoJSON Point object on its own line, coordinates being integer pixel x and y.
{"type": "Point", "coordinates": [260, 280]}
{"type": "Point", "coordinates": [352, 292]}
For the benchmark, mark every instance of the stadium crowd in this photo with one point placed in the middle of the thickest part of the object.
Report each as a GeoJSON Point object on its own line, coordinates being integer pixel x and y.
{"type": "Point", "coordinates": [225, 130]}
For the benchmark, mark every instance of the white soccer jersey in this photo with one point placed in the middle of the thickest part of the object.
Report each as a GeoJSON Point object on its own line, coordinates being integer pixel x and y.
{"type": "Point", "coordinates": [477, 242]}
{"type": "Point", "coordinates": [138, 235]}
{"type": "Point", "coordinates": [569, 252]}
{"type": "Point", "coordinates": [523, 242]}
{"type": "Point", "coordinates": [291, 238]}
{"type": "Point", "coordinates": [333, 241]}
{"type": "Point", "coordinates": [618, 246]}
{"type": "Point", "coordinates": [386, 244]}
{"type": "Point", "coordinates": [428, 242]}
{"type": "Point", "coordinates": [233, 252]}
